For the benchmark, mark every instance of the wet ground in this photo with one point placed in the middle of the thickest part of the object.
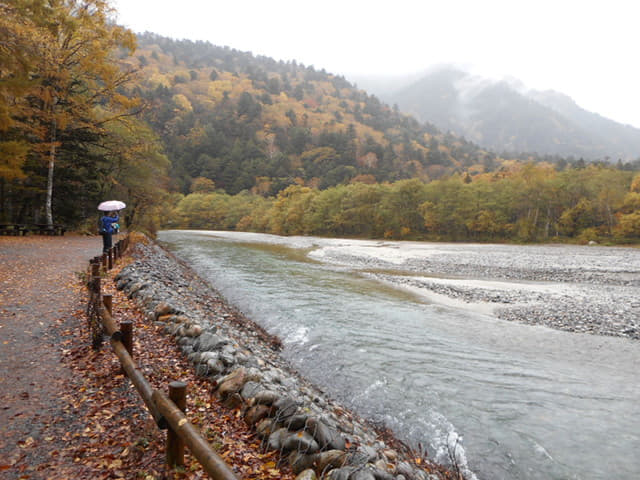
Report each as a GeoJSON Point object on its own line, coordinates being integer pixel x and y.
{"type": "Point", "coordinates": [37, 297]}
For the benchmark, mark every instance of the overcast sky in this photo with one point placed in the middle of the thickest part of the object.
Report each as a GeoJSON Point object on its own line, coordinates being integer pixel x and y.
{"type": "Point", "coordinates": [586, 49]}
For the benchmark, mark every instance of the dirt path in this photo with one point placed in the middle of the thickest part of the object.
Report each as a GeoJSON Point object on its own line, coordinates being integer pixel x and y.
{"type": "Point", "coordinates": [36, 276]}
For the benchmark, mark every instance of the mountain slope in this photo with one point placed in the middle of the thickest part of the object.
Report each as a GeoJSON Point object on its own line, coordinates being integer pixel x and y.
{"type": "Point", "coordinates": [503, 116]}
{"type": "Point", "coordinates": [251, 123]}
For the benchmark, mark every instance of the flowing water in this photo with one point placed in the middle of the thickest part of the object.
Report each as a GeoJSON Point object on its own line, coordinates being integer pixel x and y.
{"type": "Point", "coordinates": [508, 401]}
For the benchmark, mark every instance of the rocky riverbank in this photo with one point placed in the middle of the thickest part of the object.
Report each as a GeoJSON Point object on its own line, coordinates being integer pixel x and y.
{"type": "Point", "coordinates": [318, 437]}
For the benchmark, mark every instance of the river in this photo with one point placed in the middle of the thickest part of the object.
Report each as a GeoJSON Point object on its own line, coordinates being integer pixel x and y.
{"type": "Point", "coordinates": [506, 400]}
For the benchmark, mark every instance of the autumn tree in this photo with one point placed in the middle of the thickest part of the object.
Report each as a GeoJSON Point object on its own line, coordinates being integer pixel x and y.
{"type": "Point", "coordinates": [76, 81]}
{"type": "Point", "coordinates": [20, 46]}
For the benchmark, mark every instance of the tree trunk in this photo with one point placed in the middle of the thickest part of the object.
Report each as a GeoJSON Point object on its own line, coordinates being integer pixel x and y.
{"type": "Point", "coordinates": [4, 211]}
{"type": "Point", "coordinates": [52, 162]}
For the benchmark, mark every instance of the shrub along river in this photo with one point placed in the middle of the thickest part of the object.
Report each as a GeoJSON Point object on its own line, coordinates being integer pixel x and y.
{"type": "Point", "coordinates": [505, 399]}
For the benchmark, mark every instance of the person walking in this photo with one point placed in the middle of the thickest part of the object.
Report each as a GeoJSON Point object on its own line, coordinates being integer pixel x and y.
{"type": "Point", "coordinates": [106, 229]}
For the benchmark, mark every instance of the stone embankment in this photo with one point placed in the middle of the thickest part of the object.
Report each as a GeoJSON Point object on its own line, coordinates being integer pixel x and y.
{"type": "Point", "coordinates": [318, 437]}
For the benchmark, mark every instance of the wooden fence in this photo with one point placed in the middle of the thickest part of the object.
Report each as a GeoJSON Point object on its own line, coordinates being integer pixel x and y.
{"type": "Point", "coordinates": [21, 229]}
{"type": "Point", "coordinates": [167, 411]}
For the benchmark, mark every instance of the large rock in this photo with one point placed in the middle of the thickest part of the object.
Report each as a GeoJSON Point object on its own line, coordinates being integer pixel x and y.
{"type": "Point", "coordinates": [340, 473]}
{"type": "Point", "coordinates": [250, 389]}
{"type": "Point", "coordinates": [232, 383]}
{"type": "Point", "coordinates": [329, 460]}
{"type": "Point", "coordinates": [382, 474]}
{"type": "Point", "coordinates": [266, 397]}
{"type": "Point", "coordinates": [256, 413]}
{"type": "Point", "coordinates": [286, 407]}
{"type": "Point", "coordinates": [327, 437]}
{"type": "Point", "coordinates": [276, 439]}
{"type": "Point", "coordinates": [362, 474]}
{"type": "Point", "coordinates": [204, 357]}
{"type": "Point", "coordinates": [404, 468]}
{"type": "Point", "coordinates": [209, 341]}
{"type": "Point", "coordinates": [300, 441]}
{"type": "Point", "coordinates": [297, 422]}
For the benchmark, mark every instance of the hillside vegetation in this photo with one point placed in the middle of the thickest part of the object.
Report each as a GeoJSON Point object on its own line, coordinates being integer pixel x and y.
{"type": "Point", "coordinates": [525, 203]}
{"type": "Point", "coordinates": [251, 123]}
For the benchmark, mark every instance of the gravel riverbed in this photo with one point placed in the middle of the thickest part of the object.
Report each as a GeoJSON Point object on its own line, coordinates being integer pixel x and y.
{"type": "Point", "coordinates": [586, 289]}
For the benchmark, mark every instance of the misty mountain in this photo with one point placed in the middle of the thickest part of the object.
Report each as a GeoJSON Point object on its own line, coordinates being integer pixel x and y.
{"type": "Point", "coordinates": [506, 116]}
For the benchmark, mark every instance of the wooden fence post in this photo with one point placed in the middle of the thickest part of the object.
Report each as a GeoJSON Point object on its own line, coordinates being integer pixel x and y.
{"type": "Point", "coordinates": [126, 328]}
{"type": "Point", "coordinates": [95, 282]}
{"type": "Point", "coordinates": [107, 299]}
{"type": "Point", "coordinates": [175, 444]}
{"type": "Point", "coordinates": [95, 269]}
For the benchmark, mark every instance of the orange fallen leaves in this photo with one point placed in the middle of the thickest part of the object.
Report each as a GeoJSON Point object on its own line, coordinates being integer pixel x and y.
{"type": "Point", "coordinates": [118, 438]}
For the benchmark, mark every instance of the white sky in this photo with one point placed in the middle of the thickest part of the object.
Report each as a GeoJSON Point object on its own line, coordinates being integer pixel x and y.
{"type": "Point", "coordinates": [586, 49]}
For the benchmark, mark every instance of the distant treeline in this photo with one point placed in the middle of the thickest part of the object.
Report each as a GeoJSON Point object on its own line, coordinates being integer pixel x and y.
{"type": "Point", "coordinates": [526, 203]}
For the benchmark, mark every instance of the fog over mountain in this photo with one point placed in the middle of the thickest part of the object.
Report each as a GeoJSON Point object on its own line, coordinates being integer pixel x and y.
{"type": "Point", "coordinates": [504, 115]}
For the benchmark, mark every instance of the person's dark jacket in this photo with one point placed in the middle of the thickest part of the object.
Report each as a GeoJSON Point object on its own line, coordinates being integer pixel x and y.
{"type": "Point", "coordinates": [106, 223]}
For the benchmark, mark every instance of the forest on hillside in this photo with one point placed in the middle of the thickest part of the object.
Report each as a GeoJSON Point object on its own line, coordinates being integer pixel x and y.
{"type": "Point", "coordinates": [195, 135]}
{"type": "Point", "coordinates": [251, 123]}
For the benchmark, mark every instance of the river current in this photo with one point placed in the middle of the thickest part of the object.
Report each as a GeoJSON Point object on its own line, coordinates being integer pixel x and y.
{"type": "Point", "coordinates": [501, 399]}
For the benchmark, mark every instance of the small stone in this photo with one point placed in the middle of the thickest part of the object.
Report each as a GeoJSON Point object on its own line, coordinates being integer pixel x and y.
{"type": "Point", "coordinates": [300, 461]}
{"type": "Point", "coordinates": [264, 427]}
{"type": "Point", "coordinates": [232, 401]}
{"type": "Point", "coordinates": [391, 455]}
{"type": "Point", "coordinates": [215, 366]}
{"type": "Point", "coordinates": [307, 474]}
{"type": "Point", "coordinates": [162, 309]}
